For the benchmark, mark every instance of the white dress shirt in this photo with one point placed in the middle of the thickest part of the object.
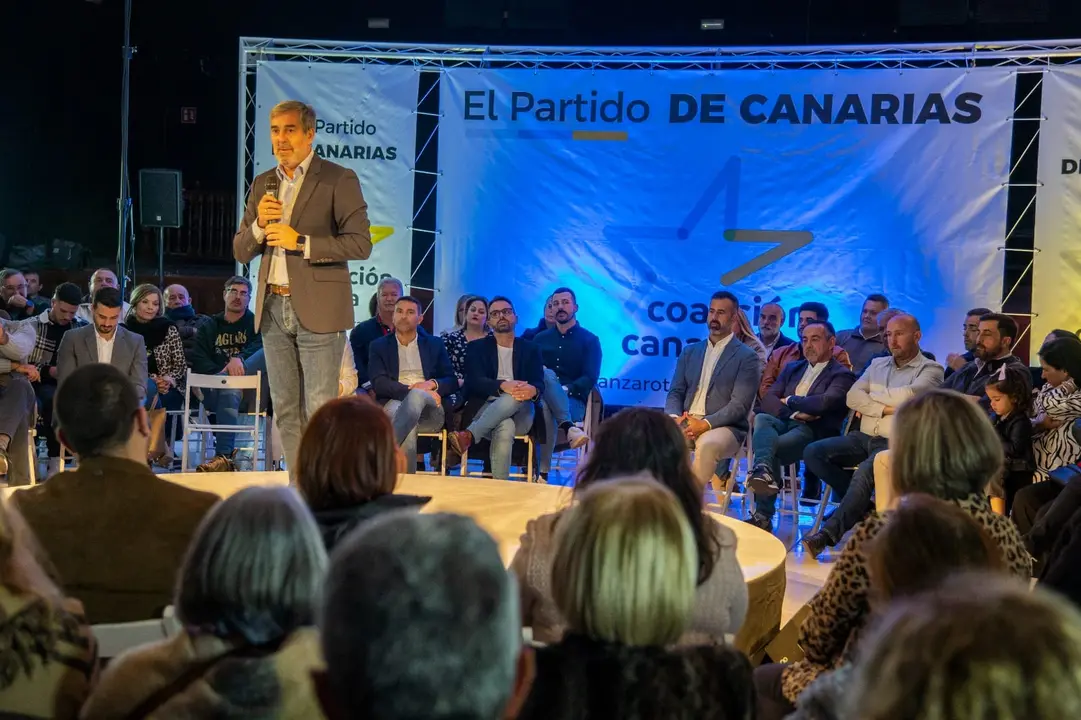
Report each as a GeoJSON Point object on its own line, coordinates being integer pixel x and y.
{"type": "Point", "coordinates": [105, 347]}
{"type": "Point", "coordinates": [506, 363]}
{"type": "Point", "coordinates": [288, 190]}
{"type": "Point", "coordinates": [883, 384]}
{"type": "Point", "coordinates": [709, 362]}
{"type": "Point", "coordinates": [410, 368]}
{"type": "Point", "coordinates": [809, 376]}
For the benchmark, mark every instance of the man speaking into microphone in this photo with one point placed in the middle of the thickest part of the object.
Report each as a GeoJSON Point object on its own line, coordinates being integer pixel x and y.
{"type": "Point", "coordinates": [307, 218]}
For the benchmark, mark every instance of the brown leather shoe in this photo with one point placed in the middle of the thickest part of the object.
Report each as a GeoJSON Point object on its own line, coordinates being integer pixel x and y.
{"type": "Point", "coordinates": [219, 463]}
{"type": "Point", "coordinates": [3, 463]}
{"type": "Point", "coordinates": [460, 441]}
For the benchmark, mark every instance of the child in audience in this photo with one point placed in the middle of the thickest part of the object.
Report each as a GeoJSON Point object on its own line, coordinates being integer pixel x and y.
{"type": "Point", "coordinates": [1011, 402]}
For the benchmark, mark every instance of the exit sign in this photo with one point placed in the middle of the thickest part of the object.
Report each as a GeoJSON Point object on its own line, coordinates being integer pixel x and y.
{"type": "Point", "coordinates": [187, 115]}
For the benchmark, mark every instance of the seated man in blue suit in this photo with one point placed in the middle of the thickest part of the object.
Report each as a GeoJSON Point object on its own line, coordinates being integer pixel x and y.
{"type": "Point", "coordinates": [411, 374]}
{"type": "Point", "coordinates": [713, 388]}
{"type": "Point", "coordinates": [507, 374]}
{"type": "Point", "coordinates": [806, 403]}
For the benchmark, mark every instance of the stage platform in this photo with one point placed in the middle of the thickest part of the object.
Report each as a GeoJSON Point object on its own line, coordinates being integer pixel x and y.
{"type": "Point", "coordinates": [779, 583]}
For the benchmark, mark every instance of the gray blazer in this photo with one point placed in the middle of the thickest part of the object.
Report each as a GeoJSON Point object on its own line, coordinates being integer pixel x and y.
{"type": "Point", "coordinates": [331, 211]}
{"type": "Point", "coordinates": [79, 347]}
{"type": "Point", "coordinates": [732, 388]}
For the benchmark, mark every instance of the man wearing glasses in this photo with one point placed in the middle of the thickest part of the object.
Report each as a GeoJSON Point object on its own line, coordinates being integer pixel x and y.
{"type": "Point", "coordinates": [506, 374]}
{"type": "Point", "coordinates": [228, 345]}
{"type": "Point", "coordinates": [13, 292]}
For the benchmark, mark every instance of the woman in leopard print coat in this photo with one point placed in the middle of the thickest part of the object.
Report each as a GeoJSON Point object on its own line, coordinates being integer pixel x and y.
{"type": "Point", "coordinates": [942, 445]}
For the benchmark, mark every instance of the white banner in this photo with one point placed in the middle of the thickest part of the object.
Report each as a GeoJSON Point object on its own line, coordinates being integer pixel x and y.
{"type": "Point", "coordinates": [1056, 272]}
{"type": "Point", "coordinates": [367, 122]}
{"type": "Point", "coordinates": [647, 192]}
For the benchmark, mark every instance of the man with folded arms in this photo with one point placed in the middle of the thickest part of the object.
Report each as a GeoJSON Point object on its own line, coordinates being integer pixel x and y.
{"type": "Point", "coordinates": [410, 374]}
{"type": "Point", "coordinates": [807, 403]}
{"type": "Point", "coordinates": [507, 374]}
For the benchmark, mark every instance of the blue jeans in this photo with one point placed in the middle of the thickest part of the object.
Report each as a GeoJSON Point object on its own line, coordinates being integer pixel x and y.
{"type": "Point", "coordinates": [500, 420]}
{"type": "Point", "coordinates": [417, 413]}
{"type": "Point", "coordinates": [302, 367]}
{"type": "Point", "coordinates": [558, 408]}
{"type": "Point", "coordinates": [828, 459]}
{"type": "Point", "coordinates": [777, 442]}
{"type": "Point", "coordinates": [225, 404]}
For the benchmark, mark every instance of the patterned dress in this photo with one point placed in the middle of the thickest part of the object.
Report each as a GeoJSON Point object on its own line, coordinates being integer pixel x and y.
{"type": "Point", "coordinates": [456, 343]}
{"type": "Point", "coordinates": [1057, 447]}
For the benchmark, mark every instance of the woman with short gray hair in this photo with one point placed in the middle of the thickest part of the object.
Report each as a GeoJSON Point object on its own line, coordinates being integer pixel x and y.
{"type": "Point", "coordinates": [246, 597]}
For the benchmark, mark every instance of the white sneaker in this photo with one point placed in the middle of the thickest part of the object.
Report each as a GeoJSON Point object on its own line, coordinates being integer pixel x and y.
{"type": "Point", "coordinates": [577, 437]}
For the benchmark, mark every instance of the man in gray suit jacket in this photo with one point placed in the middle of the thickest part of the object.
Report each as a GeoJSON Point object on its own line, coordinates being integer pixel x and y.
{"type": "Point", "coordinates": [106, 342]}
{"type": "Point", "coordinates": [307, 218]}
{"type": "Point", "coordinates": [714, 386]}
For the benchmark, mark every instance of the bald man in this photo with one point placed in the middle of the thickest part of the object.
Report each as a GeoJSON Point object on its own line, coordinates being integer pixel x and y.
{"type": "Point", "coordinates": [102, 277]}
{"type": "Point", "coordinates": [178, 308]}
{"type": "Point", "coordinates": [887, 382]}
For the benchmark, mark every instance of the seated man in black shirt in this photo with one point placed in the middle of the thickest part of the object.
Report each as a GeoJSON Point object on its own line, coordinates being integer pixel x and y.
{"type": "Point", "coordinates": [993, 349]}
{"type": "Point", "coordinates": [572, 362]}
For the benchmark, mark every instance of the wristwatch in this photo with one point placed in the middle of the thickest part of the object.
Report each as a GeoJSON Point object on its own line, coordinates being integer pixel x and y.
{"type": "Point", "coordinates": [302, 242]}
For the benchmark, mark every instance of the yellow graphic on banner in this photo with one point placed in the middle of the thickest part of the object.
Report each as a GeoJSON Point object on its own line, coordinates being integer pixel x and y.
{"type": "Point", "coordinates": [380, 233]}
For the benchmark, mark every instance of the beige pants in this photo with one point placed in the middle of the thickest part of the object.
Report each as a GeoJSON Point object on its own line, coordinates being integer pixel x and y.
{"type": "Point", "coordinates": [883, 484]}
{"type": "Point", "coordinates": [709, 449]}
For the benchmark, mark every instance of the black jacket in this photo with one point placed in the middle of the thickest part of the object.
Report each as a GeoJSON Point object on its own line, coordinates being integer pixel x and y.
{"type": "Point", "coordinates": [336, 523]}
{"type": "Point", "coordinates": [1015, 432]}
{"type": "Point", "coordinates": [827, 398]}
{"type": "Point", "coordinates": [383, 366]}
{"type": "Point", "coordinates": [482, 367]}
{"type": "Point", "coordinates": [972, 379]}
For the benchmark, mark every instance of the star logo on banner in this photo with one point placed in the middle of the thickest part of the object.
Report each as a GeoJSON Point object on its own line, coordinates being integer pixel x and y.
{"type": "Point", "coordinates": [727, 181]}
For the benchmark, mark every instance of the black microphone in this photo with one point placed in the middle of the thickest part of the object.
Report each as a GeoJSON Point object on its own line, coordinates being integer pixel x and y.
{"type": "Point", "coordinates": [270, 187]}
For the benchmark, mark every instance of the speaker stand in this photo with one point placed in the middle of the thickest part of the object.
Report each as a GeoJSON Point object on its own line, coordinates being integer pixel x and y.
{"type": "Point", "coordinates": [161, 258]}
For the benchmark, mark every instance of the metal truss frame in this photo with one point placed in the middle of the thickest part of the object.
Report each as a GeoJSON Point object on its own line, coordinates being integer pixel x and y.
{"type": "Point", "coordinates": [1026, 57]}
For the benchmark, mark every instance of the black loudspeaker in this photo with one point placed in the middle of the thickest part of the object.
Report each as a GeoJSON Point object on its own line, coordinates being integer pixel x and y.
{"type": "Point", "coordinates": [160, 203]}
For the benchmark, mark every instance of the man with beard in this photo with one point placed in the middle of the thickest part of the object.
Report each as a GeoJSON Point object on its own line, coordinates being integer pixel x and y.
{"type": "Point", "coordinates": [410, 374]}
{"type": "Point", "coordinates": [713, 389]}
{"type": "Point", "coordinates": [227, 344]}
{"type": "Point", "coordinates": [106, 342]}
{"type": "Point", "coordinates": [40, 367]}
{"type": "Point", "coordinates": [971, 336]}
{"type": "Point", "coordinates": [770, 320]}
{"type": "Point", "coordinates": [572, 362]}
{"type": "Point", "coordinates": [14, 292]}
{"type": "Point", "coordinates": [507, 374]}
{"type": "Point", "coordinates": [781, 356]}
{"type": "Point", "coordinates": [993, 349]}
{"type": "Point", "coordinates": [886, 384]}
{"type": "Point", "coordinates": [379, 325]}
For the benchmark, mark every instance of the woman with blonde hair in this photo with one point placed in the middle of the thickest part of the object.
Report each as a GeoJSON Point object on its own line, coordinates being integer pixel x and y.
{"type": "Point", "coordinates": [624, 577]}
{"type": "Point", "coordinates": [976, 647]}
{"type": "Point", "coordinates": [640, 440]}
{"type": "Point", "coordinates": [246, 597]}
{"type": "Point", "coordinates": [942, 444]}
{"type": "Point", "coordinates": [48, 655]}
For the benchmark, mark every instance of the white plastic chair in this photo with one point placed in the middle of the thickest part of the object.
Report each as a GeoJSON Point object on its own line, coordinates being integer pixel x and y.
{"type": "Point", "coordinates": [528, 475]}
{"type": "Point", "coordinates": [202, 423]}
{"type": "Point", "coordinates": [442, 437]}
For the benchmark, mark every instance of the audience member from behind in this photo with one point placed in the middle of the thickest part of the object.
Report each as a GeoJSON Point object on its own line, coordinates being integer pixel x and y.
{"type": "Point", "coordinates": [179, 310]}
{"type": "Point", "coordinates": [641, 440]}
{"type": "Point", "coordinates": [970, 333]}
{"type": "Point", "coordinates": [420, 620]}
{"type": "Point", "coordinates": [976, 647]}
{"type": "Point", "coordinates": [101, 278]}
{"type": "Point", "coordinates": [105, 341]}
{"type": "Point", "coordinates": [381, 324]}
{"type": "Point", "coordinates": [713, 389]}
{"type": "Point", "coordinates": [348, 466]}
{"type": "Point", "coordinates": [866, 340]}
{"type": "Point", "coordinates": [1010, 395]}
{"type": "Point", "coordinates": [40, 367]}
{"type": "Point", "coordinates": [115, 531]}
{"type": "Point", "coordinates": [49, 654]}
{"type": "Point", "coordinates": [771, 319]}
{"type": "Point", "coordinates": [247, 597]}
{"type": "Point", "coordinates": [942, 445]}
{"type": "Point", "coordinates": [924, 541]}
{"type": "Point", "coordinates": [624, 576]}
